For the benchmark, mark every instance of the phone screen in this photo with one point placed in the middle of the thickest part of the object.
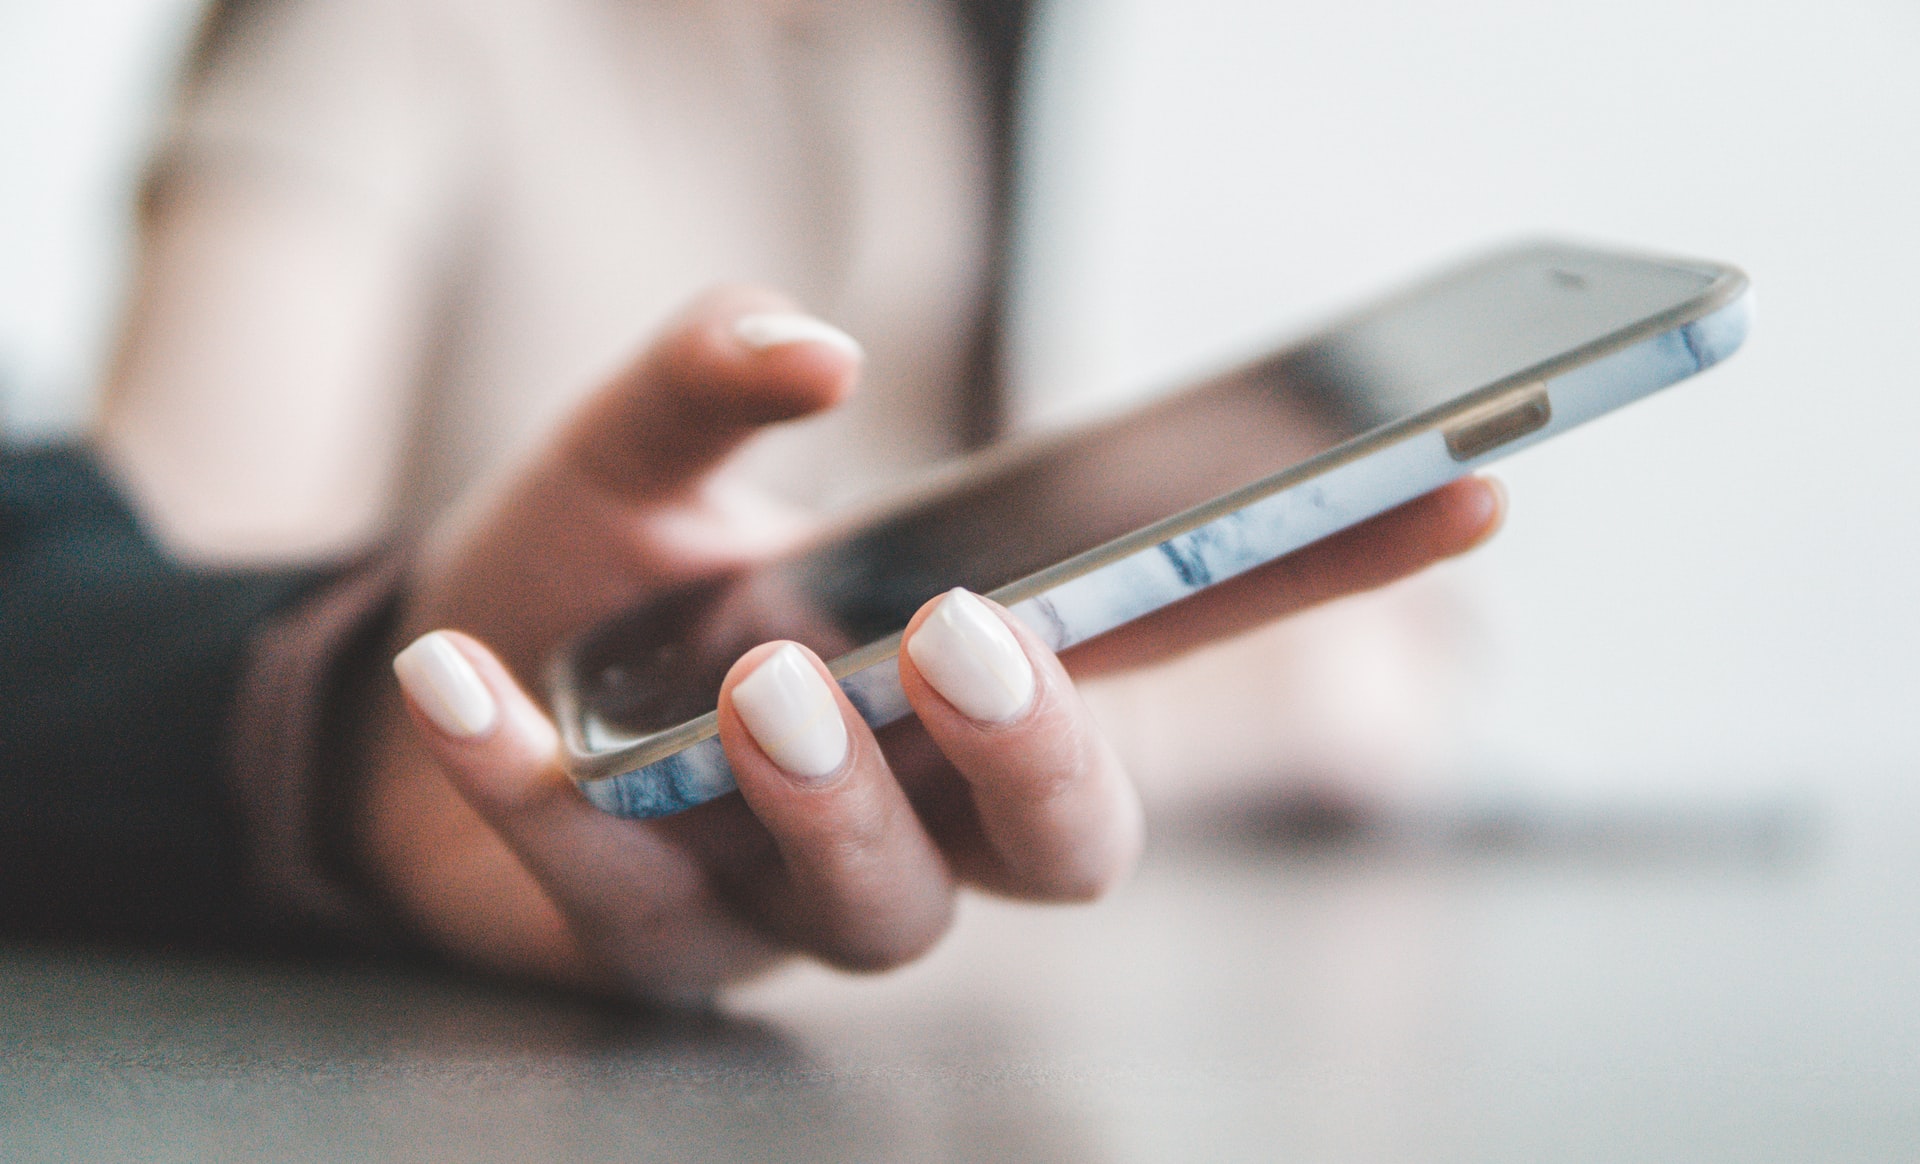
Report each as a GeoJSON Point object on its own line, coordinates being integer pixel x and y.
{"type": "Point", "coordinates": [1027, 507]}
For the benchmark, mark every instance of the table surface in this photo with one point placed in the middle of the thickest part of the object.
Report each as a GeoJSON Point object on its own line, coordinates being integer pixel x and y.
{"type": "Point", "coordinates": [1738, 983]}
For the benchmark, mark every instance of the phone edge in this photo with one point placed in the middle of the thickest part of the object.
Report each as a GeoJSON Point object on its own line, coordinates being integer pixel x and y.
{"type": "Point", "coordinates": [1162, 563]}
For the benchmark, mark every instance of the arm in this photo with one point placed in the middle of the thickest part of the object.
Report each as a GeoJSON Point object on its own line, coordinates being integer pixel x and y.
{"type": "Point", "coordinates": [118, 668]}
{"type": "Point", "coordinates": [258, 399]}
{"type": "Point", "coordinates": [120, 673]}
{"type": "Point", "coordinates": [288, 241]}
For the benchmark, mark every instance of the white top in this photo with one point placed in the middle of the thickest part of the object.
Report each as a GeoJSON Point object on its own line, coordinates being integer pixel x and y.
{"type": "Point", "coordinates": [396, 239]}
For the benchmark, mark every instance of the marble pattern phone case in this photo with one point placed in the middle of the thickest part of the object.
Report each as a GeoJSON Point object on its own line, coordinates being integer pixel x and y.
{"type": "Point", "coordinates": [1274, 520]}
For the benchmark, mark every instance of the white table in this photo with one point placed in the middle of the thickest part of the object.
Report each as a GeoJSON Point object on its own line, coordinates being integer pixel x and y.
{"type": "Point", "coordinates": [1681, 991]}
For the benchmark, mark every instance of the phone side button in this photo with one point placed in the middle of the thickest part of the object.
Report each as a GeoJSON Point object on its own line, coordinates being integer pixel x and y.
{"type": "Point", "coordinates": [1493, 424]}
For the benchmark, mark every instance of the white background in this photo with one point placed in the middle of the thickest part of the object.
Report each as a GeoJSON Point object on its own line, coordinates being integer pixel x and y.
{"type": "Point", "coordinates": [81, 89]}
{"type": "Point", "coordinates": [1713, 591]}
{"type": "Point", "coordinates": [1716, 590]}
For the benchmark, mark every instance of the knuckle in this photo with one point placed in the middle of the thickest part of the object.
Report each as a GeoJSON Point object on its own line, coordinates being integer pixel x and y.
{"type": "Point", "coordinates": [1082, 865]}
{"type": "Point", "coordinates": [1079, 883]}
{"type": "Point", "coordinates": [873, 949]}
{"type": "Point", "coordinates": [1056, 768]}
{"type": "Point", "coordinates": [509, 790]}
{"type": "Point", "coordinates": [860, 838]}
{"type": "Point", "coordinates": [1087, 885]}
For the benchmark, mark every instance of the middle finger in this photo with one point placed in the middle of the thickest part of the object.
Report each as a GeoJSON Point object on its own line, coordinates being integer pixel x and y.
{"type": "Point", "coordinates": [1057, 816]}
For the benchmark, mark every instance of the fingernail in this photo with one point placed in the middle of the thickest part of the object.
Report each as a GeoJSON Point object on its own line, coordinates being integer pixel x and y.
{"type": "Point", "coordinates": [792, 715]}
{"type": "Point", "coordinates": [972, 659]}
{"type": "Point", "coordinates": [775, 329]}
{"type": "Point", "coordinates": [440, 681]}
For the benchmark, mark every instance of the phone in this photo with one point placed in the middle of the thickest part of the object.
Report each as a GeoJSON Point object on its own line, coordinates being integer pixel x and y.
{"type": "Point", "coordinates": [1080, 533]}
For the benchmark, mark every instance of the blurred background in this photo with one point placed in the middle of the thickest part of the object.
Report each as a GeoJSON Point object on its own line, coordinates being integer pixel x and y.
{"type": "Point", "coordinates": [1699, 626]}
{"type": "Point", "coordinates": [1709, 594]}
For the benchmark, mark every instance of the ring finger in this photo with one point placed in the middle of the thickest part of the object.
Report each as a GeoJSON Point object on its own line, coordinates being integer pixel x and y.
{"type": "Point", "coordinates": [858, 882]}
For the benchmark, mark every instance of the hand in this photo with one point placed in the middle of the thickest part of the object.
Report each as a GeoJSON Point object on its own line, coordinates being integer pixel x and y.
{"type": "Point", "coordinates": [843, 846]}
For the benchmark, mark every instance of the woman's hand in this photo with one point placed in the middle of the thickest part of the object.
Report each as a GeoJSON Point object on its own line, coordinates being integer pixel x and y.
{"type": "Point", "coordinates": [842, 845]}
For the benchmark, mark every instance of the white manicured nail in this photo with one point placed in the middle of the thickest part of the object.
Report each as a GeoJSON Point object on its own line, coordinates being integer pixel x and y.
{"type": "Point", "coordinates": [440, 680]}
{"type": "Point", "coordinates": [971, 657]}
{"type": "Point", "coordinates": [792, 715]}
{"type": "Point", "coordinates": [774, 329]}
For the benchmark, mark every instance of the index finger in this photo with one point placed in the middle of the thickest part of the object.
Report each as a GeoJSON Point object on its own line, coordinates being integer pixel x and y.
{"type": "Point", "coordinates": [736, 360]}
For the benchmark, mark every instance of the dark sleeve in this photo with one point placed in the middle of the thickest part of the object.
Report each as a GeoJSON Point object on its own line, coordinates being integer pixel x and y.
{"type": "Point", "coordinates": [119, 675]}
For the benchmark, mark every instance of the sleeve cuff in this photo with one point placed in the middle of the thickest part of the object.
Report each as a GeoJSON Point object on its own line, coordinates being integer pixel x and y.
{"type": "Point", "coordinates": [286, 769]}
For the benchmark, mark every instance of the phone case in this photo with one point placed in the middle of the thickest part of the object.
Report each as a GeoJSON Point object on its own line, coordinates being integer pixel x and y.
{"type": "Point", "coordinates": [1107, 587]}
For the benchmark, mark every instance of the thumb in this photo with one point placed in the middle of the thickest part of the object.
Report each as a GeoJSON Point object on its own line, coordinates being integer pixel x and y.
{"type": "Point", "coordinates": [738, 359]}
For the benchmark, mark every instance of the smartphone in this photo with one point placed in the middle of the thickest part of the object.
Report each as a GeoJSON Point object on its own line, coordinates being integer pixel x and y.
{"type": "Point", "coordinates": [1083, 532]}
